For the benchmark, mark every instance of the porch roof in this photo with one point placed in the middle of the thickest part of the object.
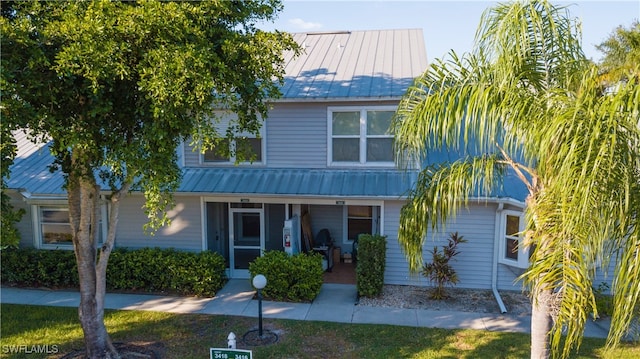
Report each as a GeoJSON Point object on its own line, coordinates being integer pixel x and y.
{"type": "Point", "coordinates": [302, 182]}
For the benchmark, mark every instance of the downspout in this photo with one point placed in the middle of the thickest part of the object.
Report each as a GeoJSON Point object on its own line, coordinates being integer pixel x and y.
{"type": "Point", "coordinates": [496, 254]}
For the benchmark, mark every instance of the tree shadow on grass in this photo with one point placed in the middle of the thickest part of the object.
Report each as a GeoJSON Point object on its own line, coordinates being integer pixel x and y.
{"type": "Point", "coordinates": [191, 336]}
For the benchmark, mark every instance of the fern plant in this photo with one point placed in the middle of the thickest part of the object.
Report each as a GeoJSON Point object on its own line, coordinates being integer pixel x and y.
{"type": "Point", "coordinates": [439, 271]}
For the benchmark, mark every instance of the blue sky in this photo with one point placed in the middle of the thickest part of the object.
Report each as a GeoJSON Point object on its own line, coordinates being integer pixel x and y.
{"type": "Point", "coordinates": [446, 24]}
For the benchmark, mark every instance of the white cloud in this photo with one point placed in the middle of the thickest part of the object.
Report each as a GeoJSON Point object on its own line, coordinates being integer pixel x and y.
{"type": "Point", "coordinates": [304, 25]}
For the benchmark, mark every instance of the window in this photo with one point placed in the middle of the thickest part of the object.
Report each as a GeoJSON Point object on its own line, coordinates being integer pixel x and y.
{"type": "Point", "coordinates": [251, 145]}
{"type": "Point", "coordinates": [512, 252]}
{"type": "Point", "coordinates": [225, 151]}
{"type": "Point", "coordinates": [220, 153]}
{"type": "Point", "coordinates": [54, 226]}
{"type": "Point", "coordinates": [53, 230]}
{"type": "Point", "coordinates": [359, 220]}
{"type": "Point", "coordinates": [359, 136]}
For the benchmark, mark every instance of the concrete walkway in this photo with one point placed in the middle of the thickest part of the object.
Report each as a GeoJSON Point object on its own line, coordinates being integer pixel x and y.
{"type": "Point", "coordinates": [335, 303]}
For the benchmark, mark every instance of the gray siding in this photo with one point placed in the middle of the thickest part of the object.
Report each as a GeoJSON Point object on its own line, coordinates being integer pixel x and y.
{"type": "Point", "coordinates": [185, 232]}
{"type": "Point", "coordinates": [507, 277]}
{"type": "Point", "coordinates": [295, 135]}
{"type": "Point", "coordinates": [605, 275]}
{"type": "Point", "coordinates": [397, 268]}
{"type": "Point", "coordinates": [473, 264]}
{"type": "Point", "coordinates": [25, 226]}
{"type": "Point", "coordinates": [191, 157]}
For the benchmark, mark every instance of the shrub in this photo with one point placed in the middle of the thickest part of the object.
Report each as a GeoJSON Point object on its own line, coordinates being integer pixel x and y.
{"type": "Point", "coordinates": [439, 271]}
{"type": "Point", "coordinates": [296, 278]}
{"type": "Point", "coordinates": [38, 268]}
{"type": "Point", "coordinates": [604, 301]}
{"type": "Point", "coordinates": [372, 251]}
{"type": "Point", "coordinates": [166, 270]}
{"type": "Point", "coordinates": [148, 270]}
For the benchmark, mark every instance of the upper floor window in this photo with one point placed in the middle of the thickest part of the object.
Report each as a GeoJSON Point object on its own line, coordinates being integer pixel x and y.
{"type": "Point", "coordinates": [246, 147]}
{"type": "Point", "coordinates": [226, 151]}
{"type": "Point", "coordinates": [361, 136]}
{"type": "Point", "coordinates": [512, 250]}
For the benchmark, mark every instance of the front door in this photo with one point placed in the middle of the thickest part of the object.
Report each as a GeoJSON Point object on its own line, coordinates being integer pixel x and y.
{"type": "Point", "coordinates": [246, 239]}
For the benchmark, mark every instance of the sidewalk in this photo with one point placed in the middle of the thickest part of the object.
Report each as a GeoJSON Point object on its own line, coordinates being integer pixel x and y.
{"type": "Point", "coordinates": [335, 303]}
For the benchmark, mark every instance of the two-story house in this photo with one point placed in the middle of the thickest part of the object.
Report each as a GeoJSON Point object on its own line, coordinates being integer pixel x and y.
{"type": "Point", "coordinates": [324, 160]}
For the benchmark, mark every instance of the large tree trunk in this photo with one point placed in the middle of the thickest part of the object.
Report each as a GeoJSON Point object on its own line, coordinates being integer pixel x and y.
{"type": "Point", "coordinates": [543, 294]}
{"type": "Point", "coordinates": [541, 323]}
{"type": "Point", "coordinates": [83, 200]}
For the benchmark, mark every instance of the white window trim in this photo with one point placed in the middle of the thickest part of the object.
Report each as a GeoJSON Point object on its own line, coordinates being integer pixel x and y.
{"type": "Point", "coordinates": [363, 136]}
{"type": "Point", "coordinates": [523, 252]}
{"type": "Point", "coordinates": [37, 226]}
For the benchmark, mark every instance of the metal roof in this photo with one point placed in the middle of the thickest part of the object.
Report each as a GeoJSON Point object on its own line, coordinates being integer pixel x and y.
{"type": "Point", "coordinates": [30, 173]}
{"type": "Point", "coordinates": [354, 64]}
{"type": "Point", "coordinates": [30, 169]}
{"type": "Point", "coordinates": [298, 182]}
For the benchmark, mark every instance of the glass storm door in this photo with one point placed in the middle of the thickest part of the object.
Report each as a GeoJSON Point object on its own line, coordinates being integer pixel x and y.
{"type": "Point", "coordinates": [246, 240]}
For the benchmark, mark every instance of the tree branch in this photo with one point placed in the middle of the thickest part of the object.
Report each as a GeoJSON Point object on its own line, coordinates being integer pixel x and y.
{"type": "Point", "coordinates": [519, 168]}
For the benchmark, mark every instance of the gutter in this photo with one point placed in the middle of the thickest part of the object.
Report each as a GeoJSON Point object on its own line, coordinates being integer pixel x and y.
{"type": "Point", "coordinates": [320, 99]}
{"type": "Point", "coordinates": [28, 196]}
{"type": "Point", "coordinates": [496, 254]}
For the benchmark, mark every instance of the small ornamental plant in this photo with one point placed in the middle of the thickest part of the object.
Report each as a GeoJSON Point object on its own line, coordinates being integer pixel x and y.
{"type": "Point", "coordinates": [439, 271]}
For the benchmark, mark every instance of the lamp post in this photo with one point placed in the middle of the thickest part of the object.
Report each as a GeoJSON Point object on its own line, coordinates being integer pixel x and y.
{"type": "Point", "coordinates": [263, 337]}
{"type": "Point", "coordinates": [259, 282]}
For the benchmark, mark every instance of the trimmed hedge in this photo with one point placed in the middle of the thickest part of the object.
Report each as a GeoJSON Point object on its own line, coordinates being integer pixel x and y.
{"type": "Point", "coordinates": [39, 268]}
{"type": "Point", "coordinates": [147, 270]}
{"type": "Point", "coordinates": [296, 278]}
{"type": "Point", "coordinates": [372, 251]}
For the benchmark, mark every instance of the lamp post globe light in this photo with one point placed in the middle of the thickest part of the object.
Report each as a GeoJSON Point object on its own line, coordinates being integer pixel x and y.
{"type": "Point", "coordinates": [259, 282]}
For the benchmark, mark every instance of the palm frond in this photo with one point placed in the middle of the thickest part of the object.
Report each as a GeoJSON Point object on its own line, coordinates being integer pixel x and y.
{"type": "Point", "coordinates": [440, 191]}
{"type": "Point", "coordinates": [435, 113]}
{"type": "Point", "coordinates": [528, 98]}
{"type": "Point", "coordinates": [589, 161]}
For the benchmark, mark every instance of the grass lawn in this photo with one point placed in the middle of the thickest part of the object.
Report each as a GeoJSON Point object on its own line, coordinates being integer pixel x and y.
{"type": "Point", "coordinates": [191, 336]}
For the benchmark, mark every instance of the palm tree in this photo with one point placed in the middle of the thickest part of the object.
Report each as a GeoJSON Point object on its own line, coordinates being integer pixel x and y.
{"type": "Point", "coordinates": [526, 101]}
{"type": "Point", "coordinates": [621, 54]}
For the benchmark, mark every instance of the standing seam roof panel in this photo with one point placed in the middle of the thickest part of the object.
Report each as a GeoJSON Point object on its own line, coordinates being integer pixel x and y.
{"type": "Point", "coordinates": [346, 70]}
{"type": "Point", "coordinates": [358, 87]}
{"type": "Point", "coordinates": [335, 54]}
{"type": "Point", "coordinates": [319, 47]}
{"type": "Point", "coordinates": [417, 62]}
{"type": "Point", "coordinates": [293, 69]}
{"type": "Point", "coordinates": [372, 64]}
{"type": "Point", "coordinates": [404, 61]}
{"type": "Point", "coordinates": [362, 87]}
{"type": "Point", "coordinates": [380, 75]}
